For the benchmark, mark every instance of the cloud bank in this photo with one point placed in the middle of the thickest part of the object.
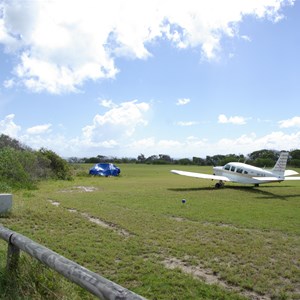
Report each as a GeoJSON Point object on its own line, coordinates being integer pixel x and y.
{"type": "Point", "coordinates": [97, 137]}
{"type": "Point", "coordinates": [60, 44]}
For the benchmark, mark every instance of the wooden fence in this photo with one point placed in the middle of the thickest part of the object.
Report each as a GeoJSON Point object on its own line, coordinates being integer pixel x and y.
{"type": "Point", "coordinates": [92, 282]}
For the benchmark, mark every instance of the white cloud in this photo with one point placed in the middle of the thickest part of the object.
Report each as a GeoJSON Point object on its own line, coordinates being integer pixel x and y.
{"type": "Point", "coordinates": [236, 120]}
{"type": "Point", "coordinates": [9, 83]}
{"type": "Point", "coordinates": [8, 126]}
{"type": "Point", "coordinates": [39, 129]}
{"type": "Point", "coordinates": [293, 122]}
{"type": "Point", "coordinates": [249, 143]}
{"type": "Point", "coordinates": [107, 103]}
{"type": "Point", "coordinates": [183, 101]}
{"type": "Point", "coordinates": [59, 44]}
{"type": "Point", "coordinates": [169, 144]}
{"type": "Point", "coordinates": [143, 144]}
{"type": "Point", "coordinates": [188, 123]}
{"type": "Point", "coordinates": [246, 38]}
{"type": "Point", "coordinates": [120, 121]}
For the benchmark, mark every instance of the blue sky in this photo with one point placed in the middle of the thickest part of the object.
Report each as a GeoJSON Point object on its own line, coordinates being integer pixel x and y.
{"type": "Point", "coordinates": [183, 78]}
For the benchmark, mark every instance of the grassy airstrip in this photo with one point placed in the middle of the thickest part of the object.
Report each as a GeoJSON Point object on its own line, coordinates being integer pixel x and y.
{"type": "Point", "coordinates": [233, 243]}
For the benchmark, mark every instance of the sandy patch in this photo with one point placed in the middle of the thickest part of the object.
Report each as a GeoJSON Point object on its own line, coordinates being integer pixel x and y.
{"type": "Point", "coordinates": [107, 225]}
{"type": "Point", "coordinates": [209, 277]}
{"type": "Point", "coordinates": [80, 188]}
{"type": "Point", "coordinates": [97, 221]}
{"type": "Point", "coordinates": [55, 203]}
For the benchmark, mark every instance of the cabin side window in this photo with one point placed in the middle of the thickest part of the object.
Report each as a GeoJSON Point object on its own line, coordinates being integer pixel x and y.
{"type": "Point", "coordinates": [232, 168]}
{"type": "Point", "coordinates": [227, 167]}
{"type": "Point", "coordinates": [239, 170]}
{"type": "Point", "coordinates": [245, 172]}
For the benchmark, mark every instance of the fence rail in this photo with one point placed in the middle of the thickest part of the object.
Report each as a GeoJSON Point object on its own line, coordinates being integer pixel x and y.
{"type": "Point", "coordinates": [92, 282]}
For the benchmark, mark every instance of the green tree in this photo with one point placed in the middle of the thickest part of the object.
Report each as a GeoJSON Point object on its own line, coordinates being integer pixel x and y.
{"type": "Point", "coordinates": [12, 172]}
{"type": "Point", "coordinates": [59, 167]}
{"type": "Point", "coordinates": [6, 141]}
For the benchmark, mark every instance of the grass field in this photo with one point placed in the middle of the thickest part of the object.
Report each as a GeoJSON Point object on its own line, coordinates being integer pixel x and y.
{"type": "Point", "coordinates": [234, 243]}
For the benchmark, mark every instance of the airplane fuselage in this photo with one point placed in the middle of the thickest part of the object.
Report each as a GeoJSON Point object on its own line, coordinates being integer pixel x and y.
{"type": "Point", "coordinates": [243, 173]}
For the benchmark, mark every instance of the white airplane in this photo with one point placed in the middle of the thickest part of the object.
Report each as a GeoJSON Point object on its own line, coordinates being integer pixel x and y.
{"type": "Point", "coordinates": [247, 174]}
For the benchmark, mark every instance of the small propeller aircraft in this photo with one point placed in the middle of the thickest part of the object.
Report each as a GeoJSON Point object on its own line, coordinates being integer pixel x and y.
{"type": "Point", "coordinates": [247, 174]}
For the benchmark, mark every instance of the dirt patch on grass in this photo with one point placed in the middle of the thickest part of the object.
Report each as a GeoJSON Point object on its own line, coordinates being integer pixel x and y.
{"type": "Point", "coordinates": [80, 188]}
{"type": "Point", "coordinates": [53, 202]}
{"type": "Point", "coordinates": [102, 223]}
{"type": "Point", "coordinates": [108, 225]}
{"type": "Point", "coordinates": [95, 220]}
{"type": "Point", "coordinates": [209, 277]}
{"type": "Point", "coordinates": [181, 219]}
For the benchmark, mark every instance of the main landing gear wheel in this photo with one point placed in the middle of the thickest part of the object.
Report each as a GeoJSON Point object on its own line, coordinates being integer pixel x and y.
{"type": "Point", "coordinates": [219, 184]}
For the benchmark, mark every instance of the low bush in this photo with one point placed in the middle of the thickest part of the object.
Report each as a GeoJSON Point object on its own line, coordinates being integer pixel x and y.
{"type": "Point", "coordinates": [22, 167]}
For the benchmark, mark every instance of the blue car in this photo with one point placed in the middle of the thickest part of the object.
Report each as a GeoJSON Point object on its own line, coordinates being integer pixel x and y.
{"type": "Point", "coordinates": [105, 169]}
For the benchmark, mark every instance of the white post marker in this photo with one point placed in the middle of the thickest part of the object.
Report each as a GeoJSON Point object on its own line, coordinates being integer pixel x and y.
{"type": "Point", "coordinates": [5, 203]}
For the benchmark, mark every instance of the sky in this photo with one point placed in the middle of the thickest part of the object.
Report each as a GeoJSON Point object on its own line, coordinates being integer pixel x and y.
{"type": "Point", "coordinates": [123, 78]}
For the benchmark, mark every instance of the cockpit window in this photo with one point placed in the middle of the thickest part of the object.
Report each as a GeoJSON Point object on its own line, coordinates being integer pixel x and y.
{"type": "Point", "coordinates": [227, 167]}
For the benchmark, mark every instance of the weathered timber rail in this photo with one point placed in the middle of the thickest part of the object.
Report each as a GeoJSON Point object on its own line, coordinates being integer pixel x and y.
{"type": "Point", "coordinates": [92, 282]}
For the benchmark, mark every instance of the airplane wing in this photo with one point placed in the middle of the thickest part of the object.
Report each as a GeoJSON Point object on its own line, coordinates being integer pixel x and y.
{"type": "Point", "coordinates": [268, 179]}
{"type": "Point", "coordinates": [200, 175]}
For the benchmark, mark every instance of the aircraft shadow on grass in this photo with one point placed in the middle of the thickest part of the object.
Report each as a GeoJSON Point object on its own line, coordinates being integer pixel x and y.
{"type": "Point", "coordinates": [261, 194]}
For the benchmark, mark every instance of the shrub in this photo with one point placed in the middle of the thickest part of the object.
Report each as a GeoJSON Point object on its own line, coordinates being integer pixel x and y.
{"type": "Point", "coordinates": [59, 167]}
{"type": "Point", "coordinates": [22, 167]}
{"type": "Point", "coordinates": [12, 172]}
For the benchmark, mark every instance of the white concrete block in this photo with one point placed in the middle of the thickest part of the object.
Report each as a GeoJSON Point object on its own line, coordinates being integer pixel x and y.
{"type": "Point", "coordinates": [5, 203]}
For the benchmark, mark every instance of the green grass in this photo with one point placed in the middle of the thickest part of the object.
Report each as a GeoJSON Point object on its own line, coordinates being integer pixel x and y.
{"type": "Point", "coordinates": [247, 238]}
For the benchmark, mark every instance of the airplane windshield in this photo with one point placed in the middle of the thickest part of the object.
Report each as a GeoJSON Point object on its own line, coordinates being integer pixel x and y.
{"type": "Point", "coordinates": [227, 167]}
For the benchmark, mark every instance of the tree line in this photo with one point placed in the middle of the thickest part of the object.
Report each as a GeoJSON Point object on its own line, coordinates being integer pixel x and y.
{"type": "Point", "coordinates": [260, 158]}
{"type": "Point", "coordinates": [23, 167]}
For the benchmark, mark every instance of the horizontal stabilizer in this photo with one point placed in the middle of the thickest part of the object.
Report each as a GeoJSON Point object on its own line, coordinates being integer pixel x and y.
{"type": "Point", "coordinates": [292, 178]}
{"type": "Point", "coordinates": [290, 172]}
{"type": "Point", "coordinates": [200, 175]}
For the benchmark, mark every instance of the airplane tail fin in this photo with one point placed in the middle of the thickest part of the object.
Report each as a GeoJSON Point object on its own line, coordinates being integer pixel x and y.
{"type": "Point", "coordinates": [280, 165]}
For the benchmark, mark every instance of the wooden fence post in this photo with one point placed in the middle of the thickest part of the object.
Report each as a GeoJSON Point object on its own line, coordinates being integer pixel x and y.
{"type": "Point", "coordinates": [13, 254]}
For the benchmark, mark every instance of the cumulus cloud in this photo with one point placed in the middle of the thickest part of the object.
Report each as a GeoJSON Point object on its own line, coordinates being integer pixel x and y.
{"type": "Point", "coordinates": [293, 122]}
{"type": "Point", "coordinates": [39, 129]}
{"type": "Point", "coordinates": [119, 122]}
{"type": "Point", "coordinates": [183, 101]}
{"type": "Point", "coordinates": [107, 103]}
{"type": "Point", "coordinates": [9, 127]}
{"type": "Point", "coordinates": [236, 120]}
{"type": "Point", "coordinates": [188, 123]}
{"type": "Point", "coordinates": [60, 44]}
